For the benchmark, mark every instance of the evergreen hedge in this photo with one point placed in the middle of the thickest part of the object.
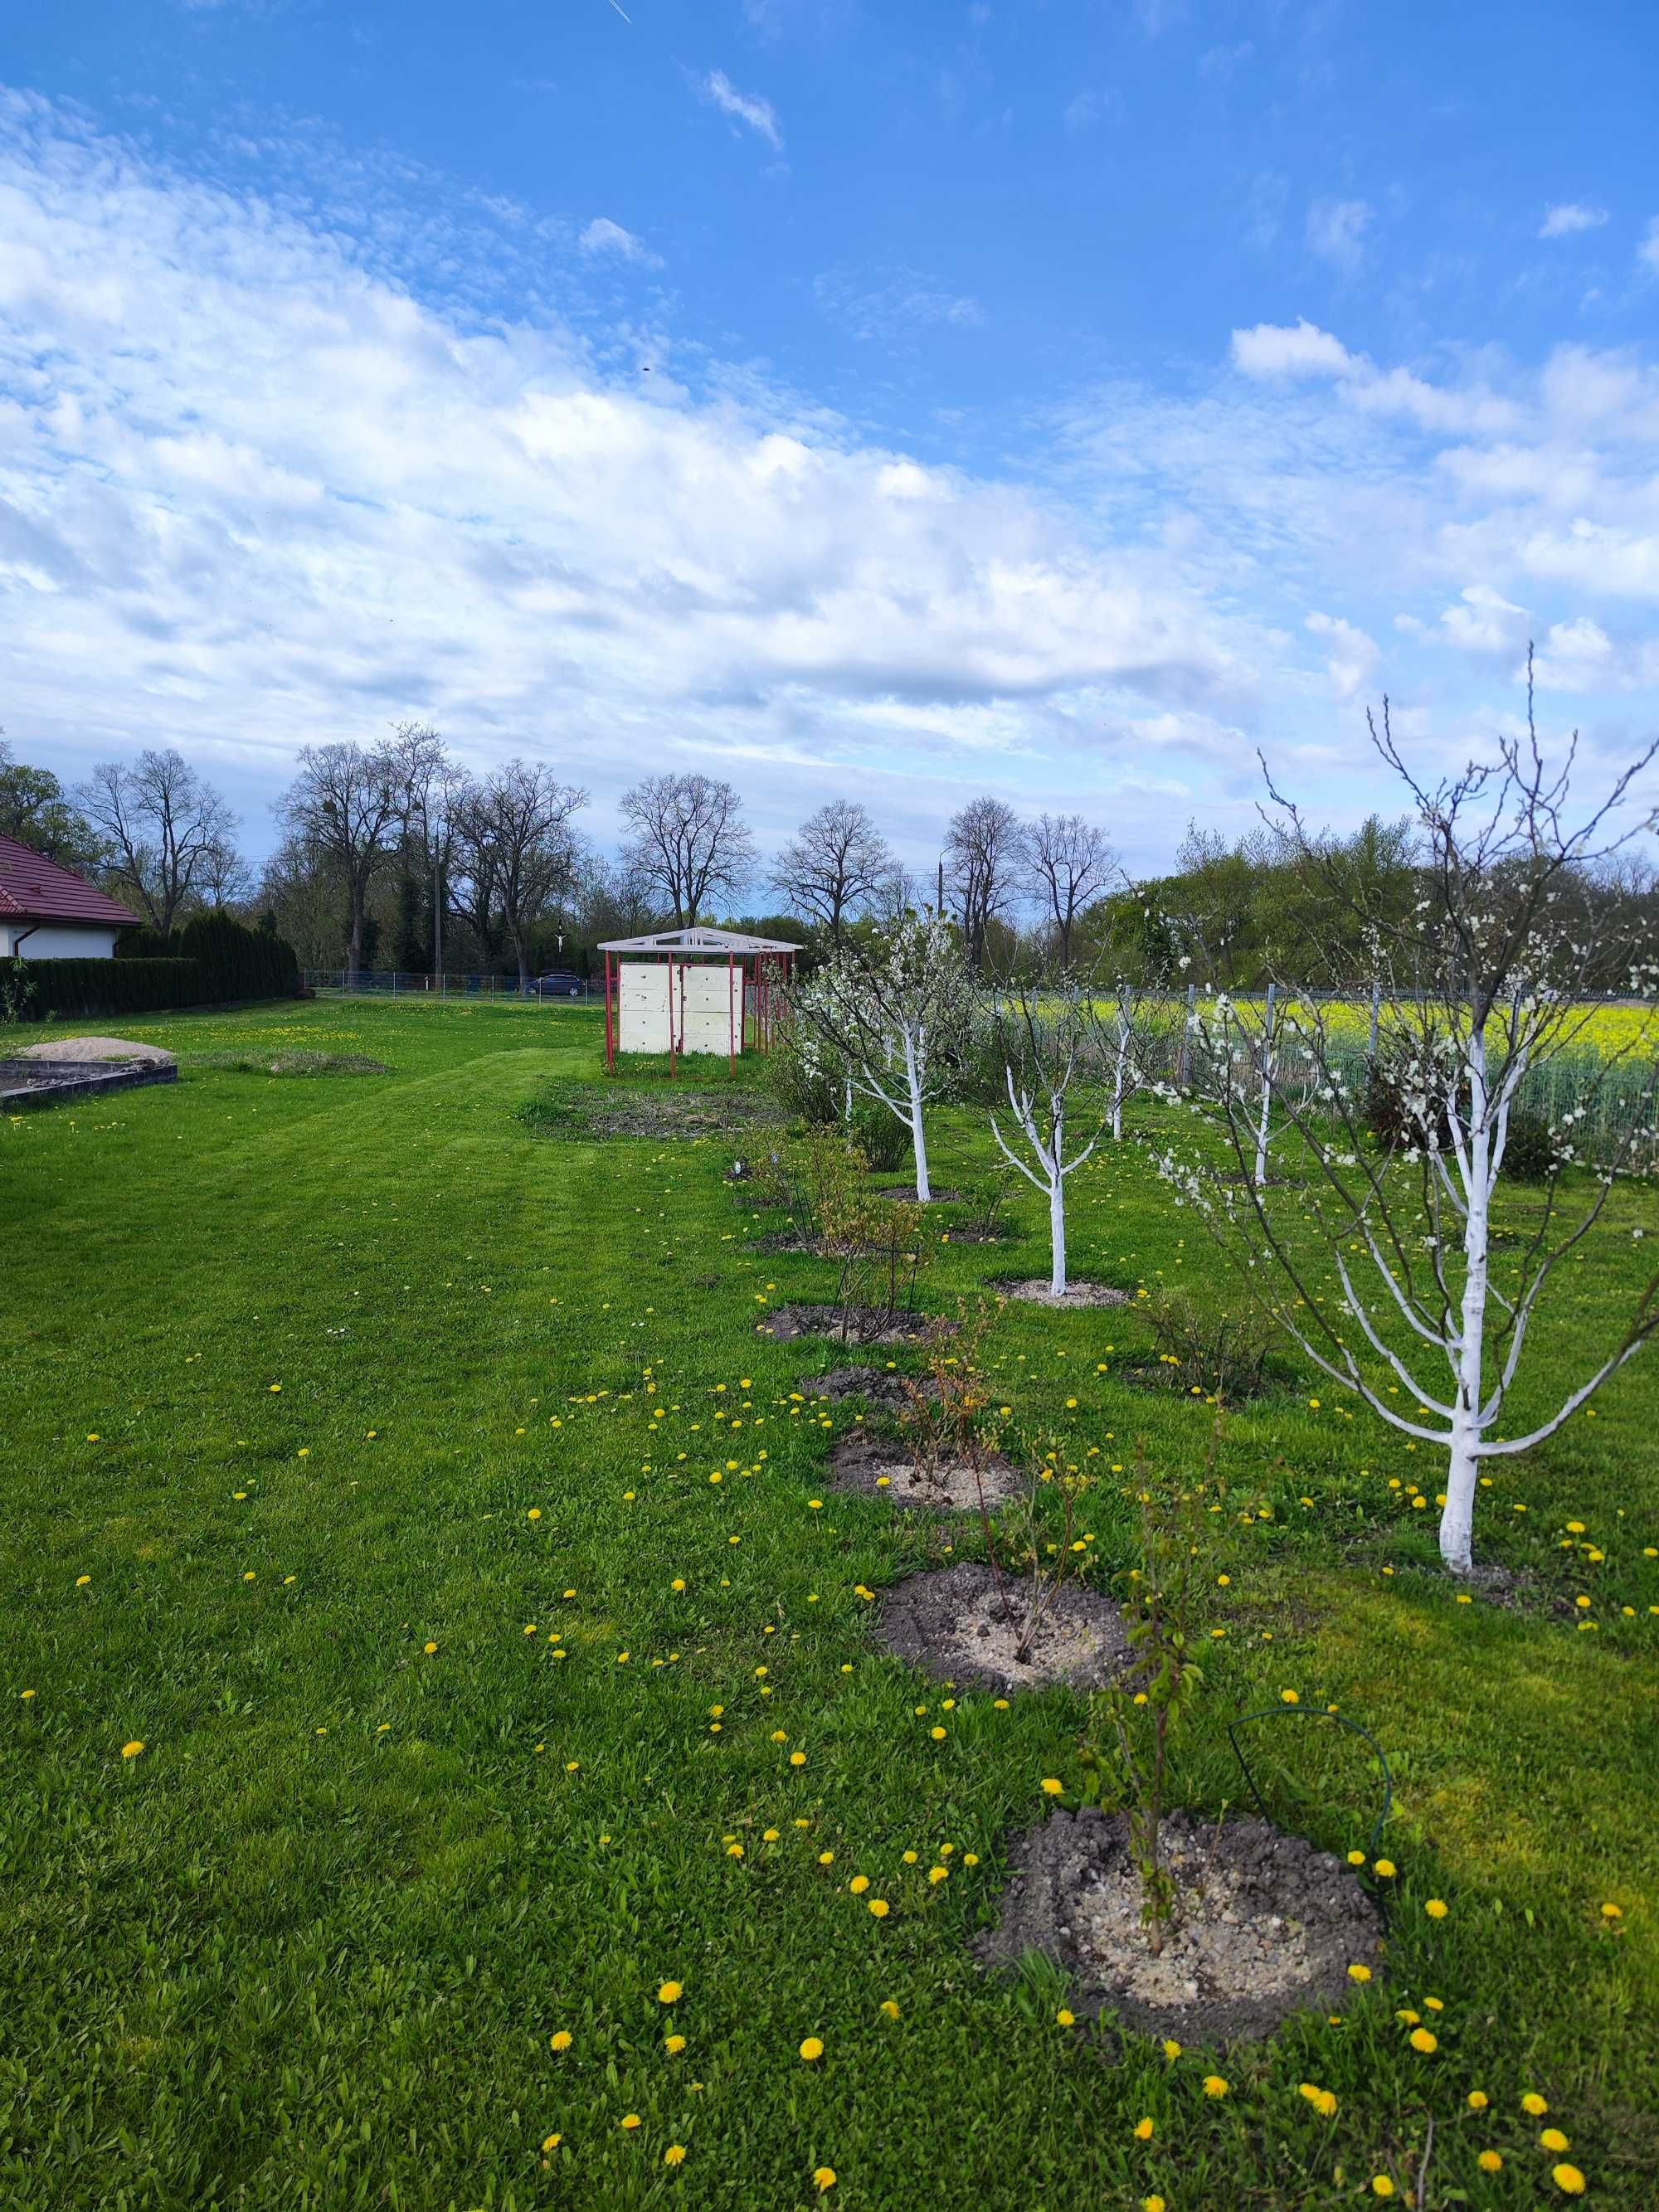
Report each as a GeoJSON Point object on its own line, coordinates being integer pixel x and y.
{"type": "Point", "coordinates": [217, 960]}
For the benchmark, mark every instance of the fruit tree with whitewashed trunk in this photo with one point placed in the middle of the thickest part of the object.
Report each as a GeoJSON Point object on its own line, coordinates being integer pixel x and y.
{"type": "Point", "coordinates": [892, 1017]}
{"type": "Point", "coordinates": [1379, 1253]}
{"type": "Point", "coordinates": [1043, 1032]}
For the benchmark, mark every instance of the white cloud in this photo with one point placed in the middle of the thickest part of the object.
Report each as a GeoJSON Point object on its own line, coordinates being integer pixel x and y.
{"type": "Point", "coordinates": [1353, 656]}
{"type": "Point", "coordinates": [602, 236]}
{"type": "Point", "coordinates": [1335, 229]}
{"type": "Point", "coordinates": [1484, 621]}
{"type": "Point", "coordinates": [746, 108]}
{"type": "Point", "coordinates": [1290, 350]}
{"type": "Point", "coordinates": [1569, 217]}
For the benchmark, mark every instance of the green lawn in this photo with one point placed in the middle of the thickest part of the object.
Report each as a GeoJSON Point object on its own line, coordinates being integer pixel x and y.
{"type": "Point", "coordinates": [332, 1407]}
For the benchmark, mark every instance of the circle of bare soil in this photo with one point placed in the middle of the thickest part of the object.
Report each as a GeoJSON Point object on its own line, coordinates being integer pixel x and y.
{"type": "Point", "coordinates": [1266, 1924]}
{"type": "Point", "coordinates": [853, 1324]}
{"type": "Point", "coordinates": [907, 1191]}
{"type": "Point", "coordinates": [1035, 1290]}
{"type": "Point", "coordinates": [881, 1467]}
{"type": "Point", "coordinates": [952, 1622]}
{"type": "Point", "coordinates": [874, 1385]}
{"type": "Point", "coordinates": [974, 1234]}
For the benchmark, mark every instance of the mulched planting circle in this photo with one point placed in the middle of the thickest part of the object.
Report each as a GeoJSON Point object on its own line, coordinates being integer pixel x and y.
{"type": "Point", "coordinates": [1266, 1924]}
{"type": "Point", "coordinates": [908, 1192]}
{"type": "Point", "coordinates": [1034, 1289]}
{"type": "Point", "coordinates": [874, 1385]}
{"type": "Point", "coordinates": [881, 1467]}
{"type": "Point", "coordinates": [951, 1622]}
{"type": "Point", "coordinates": [856, 1325]}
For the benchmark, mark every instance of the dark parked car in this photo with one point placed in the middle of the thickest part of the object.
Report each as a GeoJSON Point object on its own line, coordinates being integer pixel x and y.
{"type": "Point", "coordinates": [560, 983]}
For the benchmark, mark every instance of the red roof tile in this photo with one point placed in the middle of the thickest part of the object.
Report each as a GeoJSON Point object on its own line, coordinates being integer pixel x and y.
{"type": "Point", "coordinates": [37, 890]}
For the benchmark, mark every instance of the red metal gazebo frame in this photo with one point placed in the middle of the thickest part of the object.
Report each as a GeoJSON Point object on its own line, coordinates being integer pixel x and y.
{"type": "Point", "coordinates": [757, 972]}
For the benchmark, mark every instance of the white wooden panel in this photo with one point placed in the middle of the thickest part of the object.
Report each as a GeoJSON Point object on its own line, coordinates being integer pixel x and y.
{"type": "Point", "coordinates": [707, 1007]}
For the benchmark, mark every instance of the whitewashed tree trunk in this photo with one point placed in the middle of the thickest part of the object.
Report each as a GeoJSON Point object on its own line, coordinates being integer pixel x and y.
{"type": "Point", "coordinates": [1262, 1125]}
{"type": "Point", "coordinates": [1122, 1074]}
{"type": "Point", "coordinates": [1462, 1472]}
{"type": "Point", "coordinates": [1057, 1232]}
{"type": "Point", "coordinates": [918, 1132]}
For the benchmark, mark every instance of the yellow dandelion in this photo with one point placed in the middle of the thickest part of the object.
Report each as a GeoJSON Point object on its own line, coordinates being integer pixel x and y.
{"type": "Point", "coordinates": [131, 1750]}
{"type": "Point", "coordinates": [1535, 2104]}
{"type": "Point", "coordinates": [1568, 2179]}
{"type": "Point", "coordinates": [673, 2045]}
{"type": "Point", "coordinates": [811, 2047]}
{"type": "Point", "coordinates": [1144, 2131]}
{"type": "Point", "coordinates": [1216, 2085]}
{"type": "Point", "coordinates": [1424, 2039]}
{"type": "Point", "coordinates": [674, 2155]}
{"type": "Point", "coordinates": [824, 2177]}
{"type": "Point", "coordinates": [1051, 1788]}
{"type": "Point", "coordinates": [629, 2121]}
{"type": "Point", "coordinates": [669, 1993]}
{"type": "Point", "coordinates": [880, 1907]}
{"type": "Point", "coordinates": [1381, 2185]}
{"type": "Point", "coordinates": [1066, 2018]}
{"type": "Point", "coordinates": [1490, 2161]}
{"type": "Point", "coordinates": [561, 2040]}
{"type": "Point", "coordinates": [1436, 1908]}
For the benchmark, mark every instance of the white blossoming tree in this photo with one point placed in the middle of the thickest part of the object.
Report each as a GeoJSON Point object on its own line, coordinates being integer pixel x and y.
{"type": "Point", "coordinates": [894, 1017]}
{"type": "Point", "coordinates": [1379, 1249]}
{"type": "Point", "coordinates": [1044, 1030]}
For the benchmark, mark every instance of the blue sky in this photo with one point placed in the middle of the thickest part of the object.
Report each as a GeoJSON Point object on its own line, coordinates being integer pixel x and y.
{"type": "Point", "coordinates": [1061, 400]}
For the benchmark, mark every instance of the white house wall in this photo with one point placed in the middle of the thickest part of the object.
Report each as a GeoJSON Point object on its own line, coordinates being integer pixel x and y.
{"type": "Point", "coordinates": [55, 941]}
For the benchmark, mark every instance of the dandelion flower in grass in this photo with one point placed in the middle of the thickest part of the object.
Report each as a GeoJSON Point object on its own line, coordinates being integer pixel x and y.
{"type": "Point", "coordinates": [939, 1874]}
{"type": "Point", "coordinates": [561, 2040]}
{"type": "Point", "coordinates": [1612, 1912]}
{"type": "Point", "coordinates": [811, 2047]}
{"type": "Point", "coordinates": [669, 1993]}
{"type": "Point", "coordinates": [1535, 2104]}
{"type": "Point", "coordinates": [859, 1884]}
{"type": "Point", "coordinates": [1490, 2161]}
{"type": "Point", "coordinates": [1291, 1697]}
{"type": "Point", "coordinates": [1153, 2204]}
{"type": "Point", "coordinates": [1216, 2085]}
{"type": "Point", "coordinates": [1385, 1868]}
{"type": "Point", "coordinates": [1568, 2179]}
{"type": "Point", "coordinates": [890, 2008]}
{"type": "Point", "coordinates": [673, 2045]}
{"type": "Point", "coordinates": [1357, 1972]}
{"type": "Point", "coordinates": [1052, 1787]}
{"type": "Point", "coordinates": [1424, 2039]}
{"type": "Point", "coordinates": [938, 1735]}
{"type": "Point", "coordinates": [550, 2143]}
{"type": "Point", "coordinates": [674, 2155]}
{"type": "Point", "coordinates": [824, 2177]}
{"type": "Point", "coordinates": [430, 1648]}
{"type": "Point", "coordinates": [1478, 2101]}
{"type": "Point", "coordinates": [1381, 2185]}
{"type": "Point", "coordinates": [128, 1750]}
{"type": "Point", "coordinates": [1065, 2018]}
{"type": "Point", "coordinates": [1322, 2100]}
{"type": "Point", "coordinates": [1436, 1908]}
{"type": "Point", "coordinates": [797, 1758]}
{"type": "Point", "coordinates": [629, 2120]}
{"type": "Point", "coordinates": [1171, 2049]}
{"type": "Point", "coordinates": [880, 1907]}
{"type": "Point", "coordinates": [1144, 2131]}
{"type": "Point", "coordinates": [1552, 2139]}
{"type": "Point", "coordinates": [534, 1514]}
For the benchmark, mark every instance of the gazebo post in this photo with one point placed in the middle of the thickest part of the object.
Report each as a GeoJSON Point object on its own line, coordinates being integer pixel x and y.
{"type": "Point", "coordinates": [731, 1022]}
{"type": "Point", "coordinates": [610, 1034]}
{"type": "Point", "coordinates": [670, 1016]}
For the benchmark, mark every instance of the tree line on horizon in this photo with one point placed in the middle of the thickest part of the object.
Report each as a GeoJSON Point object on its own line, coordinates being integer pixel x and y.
{"type": "Point", "coordinates": [394, 856]}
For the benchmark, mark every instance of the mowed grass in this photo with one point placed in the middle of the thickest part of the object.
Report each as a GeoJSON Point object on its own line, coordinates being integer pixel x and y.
{"type": "Point", "coordinates": [354, 1403]}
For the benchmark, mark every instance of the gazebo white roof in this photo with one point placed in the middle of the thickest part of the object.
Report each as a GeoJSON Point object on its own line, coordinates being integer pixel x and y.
{"type": "Point", "coordinates": [729, 941]}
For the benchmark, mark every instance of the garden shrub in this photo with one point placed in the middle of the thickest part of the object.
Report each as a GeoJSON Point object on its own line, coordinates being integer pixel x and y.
{"type": "Point", "coordinates": [881, 1137]}
{"type": "Point", "coordinates": [1528, 1149]}
{"type": "Point", "coordinates": [1221, 1351]}
{"type": "Point", "coordinates": [70, 990]}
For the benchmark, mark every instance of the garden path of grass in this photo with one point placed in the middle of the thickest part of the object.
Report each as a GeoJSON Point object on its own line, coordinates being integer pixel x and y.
{"type": "Point", "coordinates": [309, 1948]}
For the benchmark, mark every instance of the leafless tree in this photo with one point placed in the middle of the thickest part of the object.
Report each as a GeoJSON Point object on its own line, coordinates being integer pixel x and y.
{"type": "Point", "coordinates": [225, 877]}
{"type": "Point", "coordinates": [982, 852]}
{"type": "Point", "coordinates": [161, 824]}
{"type": "Point", "coordinates": [1073, 863]}
{"type": "Point", "coordinates": [1385, 1259]}
{"type": "Point", "coordinates": [838, 865]}
{"type": "Point", "coordinates": [1044, 1029]}
{"type": "Point", "coordinates": [690, 843]}
{"type": "Point", "coordinates": [434, 787]}
{"type": "Point", "coordinates": [516, 834]}
{"type": "Point", "coordinates": [347, 805]}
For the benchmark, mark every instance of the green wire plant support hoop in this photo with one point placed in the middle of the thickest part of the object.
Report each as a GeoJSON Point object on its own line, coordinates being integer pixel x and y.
{"type": "Point", "coordinates": [1303, 1713]}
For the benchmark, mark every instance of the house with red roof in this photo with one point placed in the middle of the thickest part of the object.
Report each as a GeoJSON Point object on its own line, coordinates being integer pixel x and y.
{"type": "Point", "coordinates": [49, 913]}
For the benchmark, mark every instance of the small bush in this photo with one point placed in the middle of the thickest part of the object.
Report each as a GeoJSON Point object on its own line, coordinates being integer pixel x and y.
{"type": "Point", "coordinates": [1528, 1149]}
{"type": "Point", "coordinates": [72, 989]}
{"type": "Point", "coordinates": [1221, 1351]}
{"type": "Point", "coordinates": [1395, 1123]}
{"type": "Point", "coordinates": [881, 1137]}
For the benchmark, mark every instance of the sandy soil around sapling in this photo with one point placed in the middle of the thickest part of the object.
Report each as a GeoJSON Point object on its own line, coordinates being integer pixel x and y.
{"type": "Point", "coordinates": [880, 1467]}
{"type": "Point", "coordinates": [951, 1622]}
{"type": "Point", "coordinates": [1266, 1924]}
{"type": "Point", "coordinates": [1034, 1289]}
{"type": "Point", "coordinates": [856, 1325]}
{"type": "Point", "coordinates": [883, 1386]}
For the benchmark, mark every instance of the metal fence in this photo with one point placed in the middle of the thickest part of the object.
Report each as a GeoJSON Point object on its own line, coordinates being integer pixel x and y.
{"type": "Point", "coordinates": [395, 984]}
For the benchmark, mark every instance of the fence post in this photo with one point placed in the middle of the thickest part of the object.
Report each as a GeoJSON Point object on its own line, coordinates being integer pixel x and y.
{"type": "Point", "coordinates": [1376, 1014]}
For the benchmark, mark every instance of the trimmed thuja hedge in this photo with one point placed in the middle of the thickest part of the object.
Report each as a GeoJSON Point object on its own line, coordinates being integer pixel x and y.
{"type": "Point", "coordinates": [217, 960]}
